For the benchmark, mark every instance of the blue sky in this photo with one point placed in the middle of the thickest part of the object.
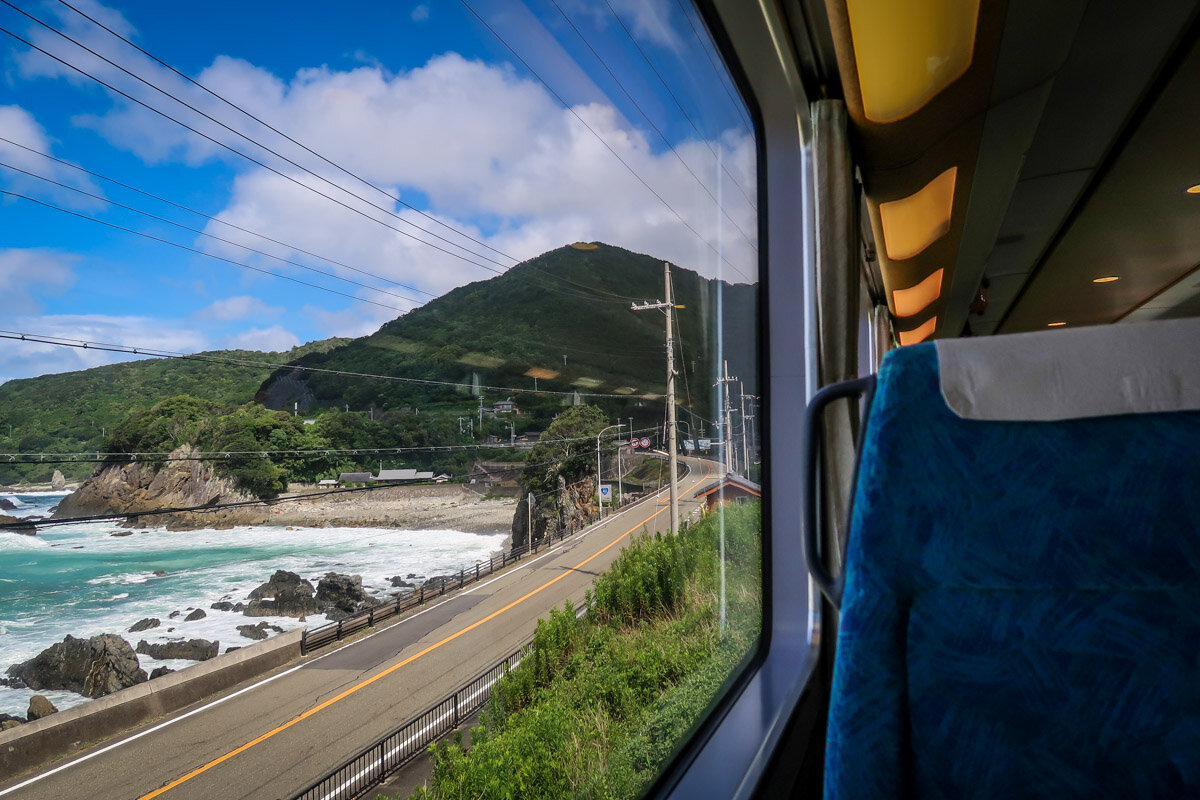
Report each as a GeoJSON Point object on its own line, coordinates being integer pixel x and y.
{"type": "Point", "coordinates": [418, 99]}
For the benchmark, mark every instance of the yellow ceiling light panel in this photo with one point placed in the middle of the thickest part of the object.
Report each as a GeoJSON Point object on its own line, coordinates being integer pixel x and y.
{"type": "Point", "coordinates": [912, 223]}
{"type": "Point", "coordinates": [916, 299]}
{"type": "Point", "coordinates": [907, 51]}
{"type": "Point", "coordinates": [919, 333]}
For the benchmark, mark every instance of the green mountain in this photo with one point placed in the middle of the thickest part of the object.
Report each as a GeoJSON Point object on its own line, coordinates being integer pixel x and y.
{"type": "Point", "coordinates": [561, 321]}
{"type": "Point", "coordinates": [76, 411]}
{"type": "Point", "coordinates": [552, 326]}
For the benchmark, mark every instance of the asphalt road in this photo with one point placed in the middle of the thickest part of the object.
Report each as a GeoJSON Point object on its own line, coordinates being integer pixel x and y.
{"type": "Point", "coordinates": [283, 732]}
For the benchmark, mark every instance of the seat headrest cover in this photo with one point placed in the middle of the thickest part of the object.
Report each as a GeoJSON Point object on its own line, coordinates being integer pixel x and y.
{"type": "Point", "coordinates": [1099, 371]}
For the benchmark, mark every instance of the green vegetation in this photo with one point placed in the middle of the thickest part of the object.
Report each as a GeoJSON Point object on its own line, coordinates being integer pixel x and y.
{"type": "Point", "coordinates": [602, 702]}
{"type": "Point", "coordinates": [75, 411]}
{"type": "Point", "coordinates": [566, 449]}
{"type": "Point", "coordinates": [250, 428]}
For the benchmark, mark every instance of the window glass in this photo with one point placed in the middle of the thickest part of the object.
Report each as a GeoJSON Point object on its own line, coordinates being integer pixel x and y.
{"type": "Point", "coordinates": [470, 247]}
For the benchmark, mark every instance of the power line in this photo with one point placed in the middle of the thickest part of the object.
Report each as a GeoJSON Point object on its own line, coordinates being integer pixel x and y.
{"type": "Point", "coordinates": [211, 218]}
{"type": "Point", "coordinates": [157, 353]}
{"type": "Point", "coordinates": [209, 235]}
{"type": "Point", "coordinates": [650, 122]}
{"type": "Point", "coordinates": [200, 252]}
{"type": "Point", "coordinates": [272, 128]}
{"type": "Point", "coordinates": [721, 74]}
{"type": "Point", "coordinates": [597, 136]}
{"type": "Point", "coordinates": [645, 57]}
{"type": "Point", "coordinates": [253, 160]}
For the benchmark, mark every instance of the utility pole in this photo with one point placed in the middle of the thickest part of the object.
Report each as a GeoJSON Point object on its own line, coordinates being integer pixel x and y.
{"type": "Point", "coordinates": [668, 306]}
{"type": "Point", "coordinates": [727, 433]}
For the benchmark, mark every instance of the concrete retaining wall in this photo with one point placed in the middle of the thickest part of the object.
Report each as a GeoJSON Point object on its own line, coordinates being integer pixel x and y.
{"type": "Point", "coordinates": [36, 743]}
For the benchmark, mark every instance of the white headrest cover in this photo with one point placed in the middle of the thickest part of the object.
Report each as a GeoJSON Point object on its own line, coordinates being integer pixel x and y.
{"type": "Point", "coordinates": [1074, 372]}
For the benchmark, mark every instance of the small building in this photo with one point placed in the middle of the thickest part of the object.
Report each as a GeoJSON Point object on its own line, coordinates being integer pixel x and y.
{"type": "Point", "coordinates": [445, 476]}
{"type": "Point", "coordinates": [327, 482]}
{"type": "Point", "coordinates": [731, 488]}
{"type": "Point", "coordinates": [493, 474]}
{"type": "Point", "coordinates": [402, 476]}
{"type": "Point", "coordinates": [355, 477]}
{"type": "Point", "coordinates": [505, 407]}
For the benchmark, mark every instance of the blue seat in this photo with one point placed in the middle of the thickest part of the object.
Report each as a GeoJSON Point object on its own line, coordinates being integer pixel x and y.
{"type": "Point", "coordinates": [1021, 614]}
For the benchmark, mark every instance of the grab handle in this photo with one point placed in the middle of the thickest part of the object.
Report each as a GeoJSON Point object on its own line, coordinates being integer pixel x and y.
{"type": "Point", "coordinates": [831, 586]}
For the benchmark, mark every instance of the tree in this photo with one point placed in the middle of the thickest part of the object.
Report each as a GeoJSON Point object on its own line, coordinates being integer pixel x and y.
{"type": "Point", "coordinates": [566, 448]}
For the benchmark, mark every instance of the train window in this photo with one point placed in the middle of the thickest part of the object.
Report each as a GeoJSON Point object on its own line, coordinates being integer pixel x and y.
{"type": "Point", "coordinates": [514, 246]}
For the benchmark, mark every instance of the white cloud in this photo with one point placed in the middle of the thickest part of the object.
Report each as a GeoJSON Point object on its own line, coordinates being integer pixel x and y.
{"type": "Point", "coordinates": [420, 13]}
{"type": "Point", "coordinates": [19, 127]}
{"type": "Point", "coordinates": [268, 340]}
{"type": "Point", "coordinates": [233, 308]}
{"type": "Point", "coordinates": [651, 20]}
{"type": "Point", "coordinates": [25, 359]}
{"type": "Point", "coordinates": [356, 321]}
{"type": "Point", "coordinates": [26, 272]}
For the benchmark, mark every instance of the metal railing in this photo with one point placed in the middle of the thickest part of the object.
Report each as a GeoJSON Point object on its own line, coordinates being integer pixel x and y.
{"type": "Point", "coordinates": [315, 638]}
{"type": "Point", "coordinates": [374, 764]}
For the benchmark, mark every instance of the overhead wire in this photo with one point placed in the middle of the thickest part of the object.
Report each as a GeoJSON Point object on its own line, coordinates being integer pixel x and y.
{"type": "Point", "coordinates": [256, 161]}
{"type": "Point", "coordinates": [650, 122]}
{"type": "Point", "coordinates": [61, 341]}
{"type": "Point", "coordinates": [678, 104]}
{"type": "Point", "coordinates": [722, 76]}
{"type": "Point", "coordinates": [275, 130]}
{"type": "Point", "coordinates": [211, 218]}
{"type": "Point", "coordinates": [200, 232]}
{"type": "Point", "coordinates": [198, 251]}
{"type": "Point", "coordinates": [562, 101]}
{"type": "Point", "coordinates": [268, 149]}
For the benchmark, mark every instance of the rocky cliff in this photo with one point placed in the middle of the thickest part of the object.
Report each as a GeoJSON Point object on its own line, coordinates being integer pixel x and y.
{"type": "Point", "coordinates": [145, 486]}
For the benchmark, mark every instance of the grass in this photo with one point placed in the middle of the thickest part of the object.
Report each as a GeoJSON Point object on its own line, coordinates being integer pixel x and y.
{"type": "Point", "coordinates": [603, 700]}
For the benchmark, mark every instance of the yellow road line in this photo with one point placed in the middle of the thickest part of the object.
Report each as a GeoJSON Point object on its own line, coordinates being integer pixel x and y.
{"type": "Point", "coordinates": [389, 670]}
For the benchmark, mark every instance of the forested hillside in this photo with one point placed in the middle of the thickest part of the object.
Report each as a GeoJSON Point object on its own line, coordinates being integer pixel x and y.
{"type": "Point", "coordinates": [76, 411]}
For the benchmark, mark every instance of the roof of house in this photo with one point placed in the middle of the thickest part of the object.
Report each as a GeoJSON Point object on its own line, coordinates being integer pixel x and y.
{"type": "Point", "coordinates": [403, 475]}
{"type": "Point", "coordinates": [731, 481]}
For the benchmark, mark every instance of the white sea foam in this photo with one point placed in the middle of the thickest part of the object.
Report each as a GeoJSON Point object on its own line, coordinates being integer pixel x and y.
{"type": "Point", "coordinates": [112, 583]}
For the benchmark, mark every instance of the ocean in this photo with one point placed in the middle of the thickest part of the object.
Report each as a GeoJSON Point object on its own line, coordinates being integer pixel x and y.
{"type": "Point", "coordinates": [83, 580]}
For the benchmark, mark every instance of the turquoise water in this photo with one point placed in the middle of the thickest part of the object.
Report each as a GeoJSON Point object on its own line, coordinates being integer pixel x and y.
{"type": "Point", "coordinates": [82, 580]}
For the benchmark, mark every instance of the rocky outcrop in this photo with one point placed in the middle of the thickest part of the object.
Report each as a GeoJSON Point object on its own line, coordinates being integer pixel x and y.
{"type": "Point", "coordinates": [9, 721]}
{"type": "Point", "coordinates": [192, 649]}
{"type": "Point", "coordinates": [160, 671]}
{"type": "Point", "coordinates": [195, 615]}
{"type": "Point", "coordinates": [141, 486]}
{"type": "Point", "coordinates": [22, 526]}
{"type": "Point", "coordinates": [6, 504]}
{"type": "Point", "coordinates": [144, 625]}
{"type": "Point", "coordinates": [92, 667]}
{"type": "Point", "coordinates": [258, 632]}
{"type": "Point", "coordinates": [569, 509]}
{"type": "Point", "coordinates": [40, 706]}
{"type": "Point", "coordinates": [342, 595]}
{"type": "Point", "coordinates": [58, 481]}
{"type": "Point", "coordinates": [286, 594]}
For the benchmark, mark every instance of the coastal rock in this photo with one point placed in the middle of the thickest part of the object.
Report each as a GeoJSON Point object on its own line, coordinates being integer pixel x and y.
{"type": "Point", "coordinates": [21, 526]}
{"type": "Point", "coordinates": [58, 481]}
{"type": "Point", "coordinates": [9, 721]}
{"type": "Point", "coordinates": [286, 594]}
{"type": "Point", "coordinates": [144, 625]}
{"type": "Point", "coordinates": [342, 592]}
{"type": "Point", "coordinates": [40, 707]}
{"type": "Point", "coordinates": [160, 671]}
{"type": "Point", "coordinates": [400, 583]}
{"type": "Point", "coordinates": [258, 632]}
{"type": "Point", "coordinates": [91, 667]}
{"type": "Point", "coordinates": [6, 504]}
{"type": "Point", "coordinates": [195, 615]}
{"type": "Point", "coordinates": [192, 649]}
{"type": "Point", "coordinates": [141, 486]}
{"type": "Point", "coordinates": [225, 605]}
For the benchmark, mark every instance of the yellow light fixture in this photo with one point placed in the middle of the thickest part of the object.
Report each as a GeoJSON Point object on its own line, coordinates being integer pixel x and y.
{"type": "Point", "coordinates": [907, 52]}
{"type": "Point", "coordinates": [912, 223]}
{"type": "Point", "coordinates": [916, 299]}
{"type": "Point", "coordinates": [1194, 189]}
{"type": "Point", "coordinates": [1055, 324]}
{"type": "Point", "coordinates": [919, 333]}
{"type": "Point", "coordinates": [1106, 279]}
